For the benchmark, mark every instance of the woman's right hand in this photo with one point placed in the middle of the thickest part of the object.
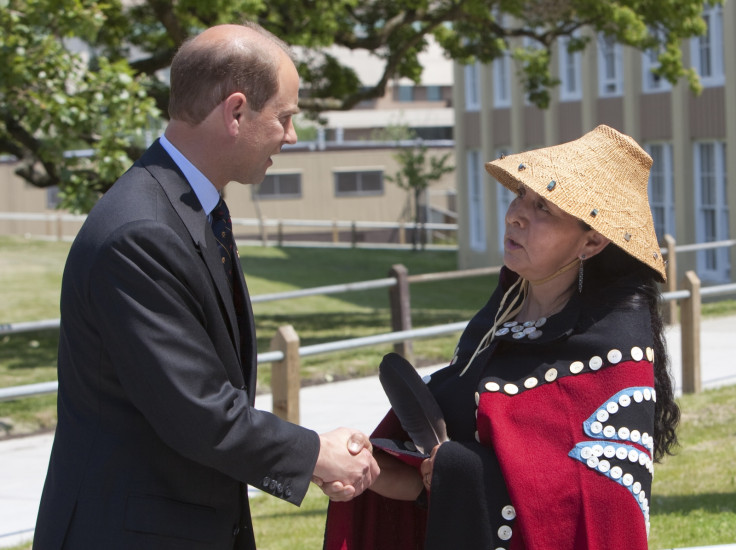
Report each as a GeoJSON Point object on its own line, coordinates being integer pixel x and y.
{"type": "Point", "coordinates": [427, 467]}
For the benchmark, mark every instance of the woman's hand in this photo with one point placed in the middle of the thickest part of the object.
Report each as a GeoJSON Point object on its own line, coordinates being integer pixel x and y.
{"type": "Point", "coordinates": [427, 467]}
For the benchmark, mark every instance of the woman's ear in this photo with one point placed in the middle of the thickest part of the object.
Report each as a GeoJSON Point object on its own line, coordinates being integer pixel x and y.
{"type": "Point", "coordinates": [233, 112]}
{"type": "Point", "coordinates": [594, 243]}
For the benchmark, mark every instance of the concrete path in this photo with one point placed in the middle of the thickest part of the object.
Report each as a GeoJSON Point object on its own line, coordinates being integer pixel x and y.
{"type": "Point", "coordinates": [23, 461]}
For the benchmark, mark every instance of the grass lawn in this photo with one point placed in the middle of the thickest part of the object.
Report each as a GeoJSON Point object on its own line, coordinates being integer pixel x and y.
{"type": "Point", "coordinates": [30, 278]}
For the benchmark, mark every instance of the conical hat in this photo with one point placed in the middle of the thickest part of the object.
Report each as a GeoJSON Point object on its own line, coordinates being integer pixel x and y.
{"type": "Point", "coordinates": [601, 179]}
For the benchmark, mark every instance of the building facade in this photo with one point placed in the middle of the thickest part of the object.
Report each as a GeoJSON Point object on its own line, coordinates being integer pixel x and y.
{"type": "Point", "coordinates": [689, 137]}
{"type": "Point", "coordinates": [341, 175]}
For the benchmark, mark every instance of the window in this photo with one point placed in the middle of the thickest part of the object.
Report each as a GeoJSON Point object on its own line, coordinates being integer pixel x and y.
{"type": "Point", "coordinates": [571, 87]}
{"type": "Point", "coordinates": [502, 81]}
{"type": "Point", "coordinates": [652, 83]}
{"type": "Point", "coordinates": [661, 189]}
{"type": "Point", "coordinates": [707, 50]}
{"type": "Point", "coordinates": [476, 200]}
{"type": "Point", "coordinates": [434, 93]}
{"type": "Point", "coordinates": [504, 197]}
{"type": "Point", "coordinates": [711, 200]}
{"type": "Point", "coordinates": [406, 93]}
{"type": "Point", "coordinates": [472, 87]}
{"type": "Point", "coordinates": [358, 182]}
{"type": "Point", "coordinates": [280, 186]}
{"type": "Point", "coordinates": [610, 67]}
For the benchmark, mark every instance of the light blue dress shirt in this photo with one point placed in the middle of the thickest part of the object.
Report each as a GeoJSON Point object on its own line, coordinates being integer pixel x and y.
{"type": "Point", "coordinates": [206, 192]}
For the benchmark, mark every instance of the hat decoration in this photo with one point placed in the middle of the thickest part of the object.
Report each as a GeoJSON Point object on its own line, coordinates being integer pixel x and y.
{"type": "Point", "coordinates": [601, 179]}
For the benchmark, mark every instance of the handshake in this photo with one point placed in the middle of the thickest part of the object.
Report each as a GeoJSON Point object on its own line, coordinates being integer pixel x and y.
{"type": "Point", "coordinates": [345, 466]}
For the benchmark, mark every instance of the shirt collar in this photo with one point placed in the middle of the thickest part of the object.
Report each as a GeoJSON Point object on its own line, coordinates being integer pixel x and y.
{"type": "Point", "coordinates": [206, 192]}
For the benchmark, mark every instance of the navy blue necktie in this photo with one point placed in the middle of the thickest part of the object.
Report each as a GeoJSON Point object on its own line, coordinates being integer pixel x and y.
{"type": "Point", "coordinates": [223, 229]}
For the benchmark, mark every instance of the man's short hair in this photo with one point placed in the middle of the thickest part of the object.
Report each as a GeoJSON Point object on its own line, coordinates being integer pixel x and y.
{"type": "Point", "coordinates": [204, 74]}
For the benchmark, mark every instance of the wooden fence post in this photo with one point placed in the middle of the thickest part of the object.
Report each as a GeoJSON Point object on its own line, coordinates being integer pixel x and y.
{"type": "Point", "coordinates": [353, 234]}
{"type": "Point", "coordinates": [280, 233]}
{"type": "Point", "coordinates": [669, 312]}
{"type": "Point", "coordinates": [690, 334]}
{"type": "Point", "coordinates": [335, 232]}
{"type": "Point", "coordinates": [402, 233]}
{"type": "Point", "coordinates": [401, 309]}
{"type": "Point", "coordinates": [285, 378]}
{"type": "Point", "coordinates": [59, 228]}
{"type": "Point", "coordinates": [264, 233]}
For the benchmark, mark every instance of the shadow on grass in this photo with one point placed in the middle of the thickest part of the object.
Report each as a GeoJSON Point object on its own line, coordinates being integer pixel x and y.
{"type": "Point", "coordinates": [308, 268]}
{"type": "Point", "coordinates": [29, 350]}
{"type": "Point", "coordinates": [713, 503]}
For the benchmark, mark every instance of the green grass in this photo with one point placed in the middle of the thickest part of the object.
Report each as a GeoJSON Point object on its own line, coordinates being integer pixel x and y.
{"type": "Point", "coordinates": [30, 278]}
{"type": "Point", "coordinates": [694, 491]}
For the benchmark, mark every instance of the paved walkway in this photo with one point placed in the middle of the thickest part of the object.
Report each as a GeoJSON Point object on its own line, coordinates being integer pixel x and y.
{"type": "Point", "coordinates": [23, 461]}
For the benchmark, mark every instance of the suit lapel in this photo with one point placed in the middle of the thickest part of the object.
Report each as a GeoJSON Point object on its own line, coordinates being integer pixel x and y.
{"type": "Point", "coordinates": [246, 323]}
{"type": "Point", "coordinates": [187, 206]}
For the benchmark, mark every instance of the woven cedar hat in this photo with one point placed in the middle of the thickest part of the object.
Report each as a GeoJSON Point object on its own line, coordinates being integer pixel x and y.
{"type": "Point", "coordinates": [600, 178]}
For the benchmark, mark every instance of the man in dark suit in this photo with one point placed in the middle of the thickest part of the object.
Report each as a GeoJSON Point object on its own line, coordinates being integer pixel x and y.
{"type": "Point", "coordinates": [157, 434]}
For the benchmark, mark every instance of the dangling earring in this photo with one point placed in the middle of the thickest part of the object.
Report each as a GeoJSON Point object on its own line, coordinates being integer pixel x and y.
{"type": "Point", "coordinates": [580, 275]}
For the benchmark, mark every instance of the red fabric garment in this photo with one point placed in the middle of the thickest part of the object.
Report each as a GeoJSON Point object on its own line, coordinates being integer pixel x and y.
{"type": "Point", "coordinates": [372, 521]}
{"type": "Point", "coordinates": [561, 502]}
{"type": "Point", "coordinates": [550, 445]}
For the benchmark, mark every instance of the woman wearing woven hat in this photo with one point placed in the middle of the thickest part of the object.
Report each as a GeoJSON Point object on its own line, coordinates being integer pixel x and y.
{"type": "Point", "coordinates": [558, 400]}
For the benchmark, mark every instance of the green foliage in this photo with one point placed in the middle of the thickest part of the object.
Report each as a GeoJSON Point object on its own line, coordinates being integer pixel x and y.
{"type": "Point", "coordinates": [83, 75]}
{"type": "Point", "coordinates": [55, 100]}
{"type": "Point", "coordinates": [415, 176]}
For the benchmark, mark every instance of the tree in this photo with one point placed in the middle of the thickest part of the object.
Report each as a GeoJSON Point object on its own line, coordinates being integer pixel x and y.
{"type": "Point", "coordinates": [55, 98]}
{"type": "Point", "coordinates": [414, 176]}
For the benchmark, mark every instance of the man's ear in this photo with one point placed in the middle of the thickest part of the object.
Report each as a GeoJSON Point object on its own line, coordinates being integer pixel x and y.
{"type": "Point", "coordinates": [233, 112]}
{"type": "Point", "coordinates": [594, 243]}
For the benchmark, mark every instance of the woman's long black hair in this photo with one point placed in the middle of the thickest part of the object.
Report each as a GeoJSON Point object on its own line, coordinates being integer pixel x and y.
{"type": "Point", "coordinates": [614, 274]}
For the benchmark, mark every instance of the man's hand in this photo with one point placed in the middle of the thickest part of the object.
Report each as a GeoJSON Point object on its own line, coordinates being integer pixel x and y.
{"type": "Point", "coordinates": [345, 465]}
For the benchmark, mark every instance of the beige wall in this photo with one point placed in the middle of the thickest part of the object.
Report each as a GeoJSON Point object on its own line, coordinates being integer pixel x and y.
{"type": "Point", "coordinates": [17, 196]}
{"type": "Point", "coordinates": [318, 201]}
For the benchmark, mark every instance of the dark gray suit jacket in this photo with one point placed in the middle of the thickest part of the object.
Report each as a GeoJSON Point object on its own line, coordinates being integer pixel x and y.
{"type": "Point", "coordinates": [157, 435]}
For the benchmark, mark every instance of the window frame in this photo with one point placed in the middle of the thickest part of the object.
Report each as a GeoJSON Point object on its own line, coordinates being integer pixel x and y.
{"type": "Point", "coordinates": [472, 87]}
{"type": "Point", "coordinates": [663, 211]}
{"type": "Point", "coordinates": [651, 83]}
{"type": "Point", "coordinates": [359, 192]}
{"type": "Point", "coordinates": [502, 81]}
{"type": "Point", "coordinates": [712, 264]}
{"type": "Point", "coordinates": [610, 56]}
{"type": "Point", "coordinates": [476, 202]}
{"type": "Point", "coordinates": [569, 71]}
{"type": "Point", "coordinates": [712, 44]}
{"type": "Point", "coordinates": [278, 196]}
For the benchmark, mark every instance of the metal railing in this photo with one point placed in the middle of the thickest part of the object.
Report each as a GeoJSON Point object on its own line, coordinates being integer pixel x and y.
{"type": "Point", "coordinates": [285, 376]}
{"type": "Point", "coordinates": [287, 353]}
{"type": "Point", "coordinates": [270, 231]}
